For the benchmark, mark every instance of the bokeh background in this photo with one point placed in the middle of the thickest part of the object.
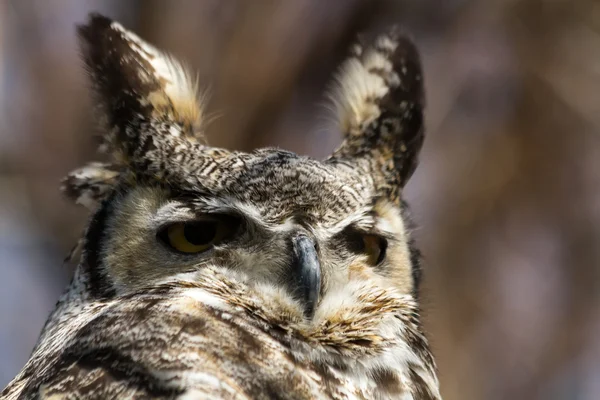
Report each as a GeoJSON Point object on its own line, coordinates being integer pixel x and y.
{"type": "Point", "coordinates": [507, 195]}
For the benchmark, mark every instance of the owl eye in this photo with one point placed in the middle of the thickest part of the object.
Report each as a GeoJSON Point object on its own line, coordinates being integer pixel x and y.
{"type": "Point", "coordinates": [372, 245]}
{"type": "Point", "coordinates": [199, 235]}
{"type": "Point", "coordinates": [375, 248]}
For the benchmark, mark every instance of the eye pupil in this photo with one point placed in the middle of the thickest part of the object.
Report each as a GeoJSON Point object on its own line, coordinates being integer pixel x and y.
{"type": "Point", "coordinates": [200, 233]}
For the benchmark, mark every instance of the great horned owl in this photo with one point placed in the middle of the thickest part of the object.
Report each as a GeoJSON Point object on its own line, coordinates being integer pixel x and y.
{"type": "Point", "coordinates": [208, 273]}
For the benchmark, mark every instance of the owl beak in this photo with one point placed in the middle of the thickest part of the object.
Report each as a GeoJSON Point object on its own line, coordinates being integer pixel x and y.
{"type": "Point", "coordinates": [306, 272]}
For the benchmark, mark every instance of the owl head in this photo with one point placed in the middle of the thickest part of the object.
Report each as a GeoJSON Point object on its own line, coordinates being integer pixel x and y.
{"type": "Point", "coordinates": [168, 204]}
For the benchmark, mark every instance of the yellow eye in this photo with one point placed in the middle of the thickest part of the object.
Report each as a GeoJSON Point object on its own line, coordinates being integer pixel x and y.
{"type": "Point", "coordinates": [374, 248]}
{"type": "Point", "coordinates": [199, 235]}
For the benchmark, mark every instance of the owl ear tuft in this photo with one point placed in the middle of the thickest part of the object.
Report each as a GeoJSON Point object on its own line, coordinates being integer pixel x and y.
{"type": "Point", "coordinates": [91, 184]}
{"type": "Point", "coordinates": [379, 99]}
{"type": "Point", "coordinates": [141, 91]}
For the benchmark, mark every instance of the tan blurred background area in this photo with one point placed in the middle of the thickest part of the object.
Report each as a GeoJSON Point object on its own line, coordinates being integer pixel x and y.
{"type": "Point", "coordinates": [507, 196]}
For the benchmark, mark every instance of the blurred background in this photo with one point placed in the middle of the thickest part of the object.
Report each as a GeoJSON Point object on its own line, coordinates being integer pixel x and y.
{"type": "Point", "coordinates": [507, 196]}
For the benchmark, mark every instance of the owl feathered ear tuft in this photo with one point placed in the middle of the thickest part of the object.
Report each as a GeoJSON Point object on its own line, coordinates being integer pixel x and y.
{"type": "Point", "coordinates": [379, 99]}
{"type": "Point", "coordinates": [142, 92]}
{"type": "Point", "coordinates": [148, 104]}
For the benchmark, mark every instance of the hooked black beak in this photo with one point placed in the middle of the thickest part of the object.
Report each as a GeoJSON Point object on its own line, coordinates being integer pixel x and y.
{"type": "Point", "coordinates": [306, 272]}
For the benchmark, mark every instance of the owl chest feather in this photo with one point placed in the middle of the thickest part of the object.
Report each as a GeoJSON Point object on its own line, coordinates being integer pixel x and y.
{"type": "Point", "coordinates": [215, 337]}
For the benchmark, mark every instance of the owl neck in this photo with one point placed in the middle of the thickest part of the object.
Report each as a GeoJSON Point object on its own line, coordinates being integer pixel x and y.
{"type": "Point", "coordinates": [365, 334]}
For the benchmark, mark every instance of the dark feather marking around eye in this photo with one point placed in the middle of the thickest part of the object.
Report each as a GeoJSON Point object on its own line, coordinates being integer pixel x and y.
{"type": "Point", "coordinates": [99, 285]}
{"type": "Point", "coordinates": [353, 239]}
{"type": "Point", "coordinates": [414, 252]}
